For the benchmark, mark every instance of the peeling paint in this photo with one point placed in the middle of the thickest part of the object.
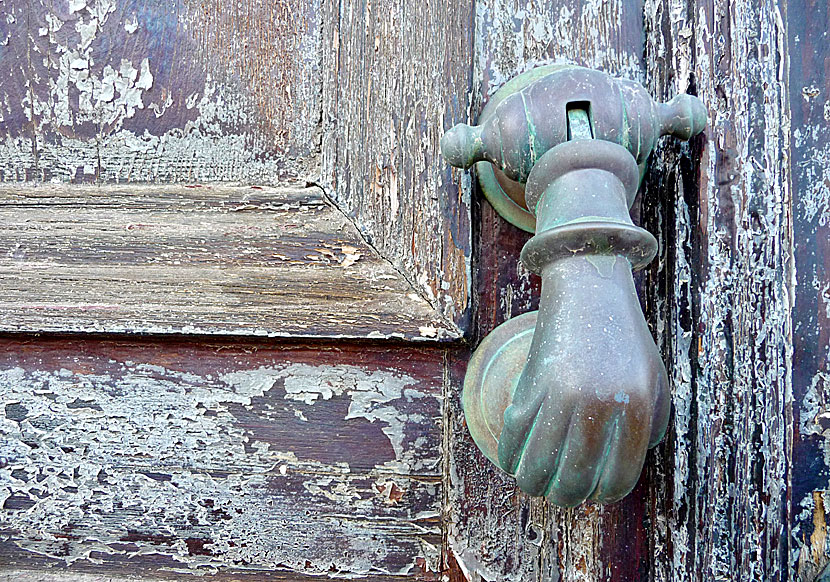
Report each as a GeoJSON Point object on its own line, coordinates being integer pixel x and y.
{"type": "Point", "coordinates": [129, 458]}
{"type": "Point", "coordinates": [370, 397]}
{"type": "Point", "coordinates": [814, 200]}
{"type": "Point", "coordinates": [730, 297]}
{"type": "Point", "coordinates": [106, 95]}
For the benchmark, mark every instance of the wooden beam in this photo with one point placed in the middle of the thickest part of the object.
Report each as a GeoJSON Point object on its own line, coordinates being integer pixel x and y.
{"type": "Point", "coordinates": [204, 260]}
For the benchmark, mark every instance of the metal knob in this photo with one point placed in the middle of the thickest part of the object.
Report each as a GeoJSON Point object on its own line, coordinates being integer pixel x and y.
{"type": "Point", "coordinates": [568, 399]}
{"type": "Point", "coordinates": [534, 119]}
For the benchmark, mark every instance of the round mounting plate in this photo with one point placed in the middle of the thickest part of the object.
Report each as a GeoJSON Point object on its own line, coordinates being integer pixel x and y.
{"type": "Point", "coordinates": [491, 378]}
{"type": "Point", "coordinates": [506, 195]}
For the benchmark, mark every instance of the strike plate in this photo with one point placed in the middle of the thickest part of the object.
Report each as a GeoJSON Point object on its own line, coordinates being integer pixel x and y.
{"type": "Point", "coordinates": [492, 375]}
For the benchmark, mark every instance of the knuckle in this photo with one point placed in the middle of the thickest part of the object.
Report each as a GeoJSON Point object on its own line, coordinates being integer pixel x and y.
{"type": "Point", "coordinates": [564, 496]}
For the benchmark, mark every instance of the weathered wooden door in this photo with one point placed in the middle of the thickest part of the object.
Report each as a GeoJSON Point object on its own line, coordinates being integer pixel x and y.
{"type": "Point", "coordinates": [240, 287]}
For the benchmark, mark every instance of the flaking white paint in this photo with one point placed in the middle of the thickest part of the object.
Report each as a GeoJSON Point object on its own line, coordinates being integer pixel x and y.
{"type": "Point", "coordinates": [80, 88]}
{"type": "Point", "coordinates": [146, 449]}
{"type": "Point", "coordinates": [370, 395]}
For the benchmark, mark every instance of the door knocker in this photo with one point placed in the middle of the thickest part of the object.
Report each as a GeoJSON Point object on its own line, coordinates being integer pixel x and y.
{"type": "Point", "coordinates": [569, 398]}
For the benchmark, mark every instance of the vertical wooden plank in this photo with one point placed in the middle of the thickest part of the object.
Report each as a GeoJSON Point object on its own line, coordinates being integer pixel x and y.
{"type": "Point", "coordinates": [723, 293]}
{"type": "Point", "coordinates": [494, 531]}
{"type": "Point", "coordinates": [396, 75]}
{"type": "Point", "coordinates": [272, 49]}
{"type": "Point", "coordinates": [808, 26]}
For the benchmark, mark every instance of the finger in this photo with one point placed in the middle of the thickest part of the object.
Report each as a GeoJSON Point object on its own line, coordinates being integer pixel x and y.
{"type": "Point", "coordinates": [580, 465]}
{"type": "Point", "coordinates": [624, 462]}
{"type": "Point", "coordinates": [519, 420]}
{"type": "Point", "coordinates": [543, 449]}
{"type": "Point", "coordinates": [662, 409]}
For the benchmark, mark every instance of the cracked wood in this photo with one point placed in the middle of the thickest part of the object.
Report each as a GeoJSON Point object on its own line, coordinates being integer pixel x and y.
{"type": "Point", "coordinates": [171, 459]}
{"type": "Point", "coordinates": [346, 96]}
{"type": "Point", "coordinates": [206, 260]}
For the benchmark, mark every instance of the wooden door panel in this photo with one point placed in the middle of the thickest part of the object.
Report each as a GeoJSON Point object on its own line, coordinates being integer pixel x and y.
{"type": "Point", "coordinates": [717, 267]}
{"type": "Point", "coordinates": [260, 92]}
{"type": "Point", "coordinates": [737, 489]}
{"type": "Point", "coordinates": [163, 457]}
{"type": "Point", "coordinates": [138, 91]}
{"type": "Point", "coordinates": [395, 75]}
{"type": "Point", "coordinates": [199, 260]}
{"type": "Point", "coordinates": [737, 298]}
{"type": "Point", "coordinates": [153, 119]}
{"type": "Point", "coordinates": [735, 482]}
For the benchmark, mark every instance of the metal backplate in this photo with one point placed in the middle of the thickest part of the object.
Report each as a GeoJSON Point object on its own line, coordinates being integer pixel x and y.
{"type": "Point", "coordinates": [492, 375]}
{"type": "Point", "coordinates": [506, 195]}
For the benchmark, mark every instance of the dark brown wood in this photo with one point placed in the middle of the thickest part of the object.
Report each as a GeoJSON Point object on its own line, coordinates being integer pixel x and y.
{"type": "Point", "coordinates": [723, 481]}
{"type": "Point", "coordinates": [156, 457]}
{"type": "Point", "coordinates": [495, 531]}
{"type": "Point", "coordinates": [205, 260]}
{"type": "Point", "coordinates": [808, 23]}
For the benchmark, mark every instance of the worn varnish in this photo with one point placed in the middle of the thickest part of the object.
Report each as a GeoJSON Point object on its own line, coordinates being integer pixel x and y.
{"type": "Point", "coordinates": [809, 95]}
{"type": "Point", "coordinates": [738, 298]}
{"type": "Point", "coordinates": [204, 260]}
{"type": "Point", "coordinates": [722, 497]}
{"type": "Point", "coordinates": [255, 92]}
{"type": "Point", "coordinates": [137, 91]}
{"type": "Point", "coordinates": [169, 458]}
{"type": "Point", "coordinates": [396, 74]}
{"type": "Point", "coordinates": [271, 49]}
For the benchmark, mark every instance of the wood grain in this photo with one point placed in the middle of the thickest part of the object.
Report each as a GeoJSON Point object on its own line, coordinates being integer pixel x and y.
{"type": "Point", "coordinates": [809, 98]}
{"type": "Point", "coordinates": [173, 460]}
{"type": "Point", "coordinates": [260, 91]}
{"type": "Point", "coordinates": [140, 91]}
{"type": "Point", "coordinates": [206, 260]}
{"type": "Point", "coordinates": [736, 299]}
{"type": "Point", "coordinates": [723, 481]}
{"type": "Point", "coordinates": [396, 76]}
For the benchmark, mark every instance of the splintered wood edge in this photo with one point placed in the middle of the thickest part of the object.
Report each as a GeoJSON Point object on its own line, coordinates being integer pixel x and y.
{"type": "Point", "coordinates": [218, 260]}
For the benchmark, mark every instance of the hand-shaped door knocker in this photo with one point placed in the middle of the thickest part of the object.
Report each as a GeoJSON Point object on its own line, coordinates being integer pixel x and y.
{"type": "Point", "coordinates": [569, 398]}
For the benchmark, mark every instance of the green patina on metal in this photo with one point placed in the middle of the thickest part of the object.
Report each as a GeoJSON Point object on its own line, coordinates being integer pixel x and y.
{"type": "Point", "coordinates": [568, 399]}
{"type": "Point", "coordinates": [579, 124]}
{"type": "Point", "coordinates": [620, 111]}
{"type": "Point", "coordinates": [531, 157]}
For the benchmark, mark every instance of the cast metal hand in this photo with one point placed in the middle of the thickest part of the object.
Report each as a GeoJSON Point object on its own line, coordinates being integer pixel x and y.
{"type": "Point", "coordinates": [572, 411]}
{"type": "Point", "coordinates": [595, 395]}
